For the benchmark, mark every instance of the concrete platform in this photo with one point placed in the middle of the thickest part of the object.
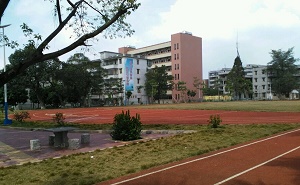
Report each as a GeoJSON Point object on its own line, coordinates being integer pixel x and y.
{"type": "Point", "coordinates": [15, 144]}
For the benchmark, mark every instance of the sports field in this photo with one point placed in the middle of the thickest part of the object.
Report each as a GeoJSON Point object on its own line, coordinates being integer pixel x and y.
{"type": "Point", "coordinates": [269, 160]}
{"type": "Point", "coordinates": [194, 113]}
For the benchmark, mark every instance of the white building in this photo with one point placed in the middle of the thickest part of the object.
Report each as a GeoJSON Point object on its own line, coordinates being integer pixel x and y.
{"type": "Point", "coordinates": [131, 70]}
{"type": "Point", "coordinates": [261, 83]}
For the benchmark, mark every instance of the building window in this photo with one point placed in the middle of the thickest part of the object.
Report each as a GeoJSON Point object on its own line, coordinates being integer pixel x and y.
{"type": "Point", "coordinates": [138, 62]}
{"type": "Point", "coordinates": [138, 81]}
{"type": "Point", "coordinates": [178, 76]}
{"type": "Point", "coordinates": [137, 71]}
{"type": "Point", "coordinates": [263, 86]}
{"type": "Point", "coordinates": [255, 87]}
{"type": "Point", "coordinates": [175, 77]}
{"type": "Point", "coordinates": [177, 45]}
{"type": "Point", "coordinates": [139, 100]}
{"type": "Point", "coordinates": [120, 61]}
{"type": "Point", "coordinates": [264, 79]}
{"type": "Point", "coordinates": [177, 55]}
{"type": "Point", "coordinates": [174, 46]}
{"type": "Point", "coordinates": [174, 56]}
{"type": "Point", "coordinates": [255, 79]}
{"type": "Point", "coordinates": [263, 72]}
{"type": "Point", "coordinates": [120, 70]}
{"type": "Point", "coordinates": [177, 66]}
{"type": "Point", "coordinates": [255, 72]}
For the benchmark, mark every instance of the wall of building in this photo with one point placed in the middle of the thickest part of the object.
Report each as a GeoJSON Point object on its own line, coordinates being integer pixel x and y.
{"type": "Point", "coordinates": [182, 56]}
{"type": "Point", "coordinates": [132, 71]}
{"type": "Point", "coordinates": [186, 60]}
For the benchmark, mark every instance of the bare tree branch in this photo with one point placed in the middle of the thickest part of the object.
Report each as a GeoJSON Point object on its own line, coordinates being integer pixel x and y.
{"type": "Point", "coordinates": [71, 4]}
{"type": "Point", "coordinates": [38, 55]}
{"type": "Point", "coordinates": [103, 16]}
{"type": "Point", "coordinates": [58, 11]}
{"type": "Point", "coordinates": [3, 5]}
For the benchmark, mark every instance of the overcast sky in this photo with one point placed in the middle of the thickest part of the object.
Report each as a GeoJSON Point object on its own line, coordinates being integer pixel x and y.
{"type": "Point", "coordinates": [259, 25]}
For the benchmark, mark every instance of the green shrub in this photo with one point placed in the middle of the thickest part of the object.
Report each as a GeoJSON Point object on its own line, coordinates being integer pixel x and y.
{"type": "Point", "coordinates": [214, 121]}
{"type": "Point", "coordinates": [125, 127]}
{"type": "Point", "coordinates": [59, 119]}
{"type": "Point", "coordinates": [20, 116]}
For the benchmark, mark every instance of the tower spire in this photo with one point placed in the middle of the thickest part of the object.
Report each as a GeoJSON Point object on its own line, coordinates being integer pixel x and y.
{"type": "Point", "coordinates": [237, 44]}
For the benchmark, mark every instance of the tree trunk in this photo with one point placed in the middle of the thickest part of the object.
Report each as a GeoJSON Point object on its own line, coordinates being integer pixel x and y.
{"type": "Point", "coordinates": [41, 100]}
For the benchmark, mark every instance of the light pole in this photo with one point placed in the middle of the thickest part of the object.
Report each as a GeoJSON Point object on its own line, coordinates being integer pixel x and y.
{"type": "Point", "coordinates": [6, 120]}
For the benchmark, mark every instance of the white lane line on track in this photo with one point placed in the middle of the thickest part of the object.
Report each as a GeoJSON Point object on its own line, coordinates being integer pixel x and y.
{"type": "Point", "coordinates": [259, 165]}
{"type": "Point", "coordinates": [202, 158]}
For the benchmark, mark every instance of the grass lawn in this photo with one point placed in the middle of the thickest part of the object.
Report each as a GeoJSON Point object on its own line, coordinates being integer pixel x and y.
{"type": "Point", "coordinates": [115, 162]}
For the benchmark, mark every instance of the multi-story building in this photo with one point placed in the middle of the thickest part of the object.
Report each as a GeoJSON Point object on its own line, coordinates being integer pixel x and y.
{"type": "Point", "coordinates": [257, 74]}
{"type": "Point", "coordinates": [217, 79]}
{"type": "Point", "coordinates": [261, 83]}
{"type": "Point", "coordinates": [182, 56]}
{"type": "Point", "coordinates": [130, 70]}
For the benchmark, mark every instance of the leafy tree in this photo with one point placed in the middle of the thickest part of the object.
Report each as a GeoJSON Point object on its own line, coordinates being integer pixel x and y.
{"type": "Point", "coordinates": [237, 84]}
{"type": "Point", "coordinates": [158, 82]}
{"type": "Point", "coordinates": [112, 88]}
{"type": "Point", "coordinates": [87, 18]}
{"type": "Point", "coordinates": [37, 76]}
{"type": "Point", "coordinates": [181, 86]}
{"type": "Point", "coordinates": [209, 91]}
{"type": "Point", "coordinates": [282, 70]}
{"type": "Point", "coordinates": [197, 84]}
{"type": "Point", "coordinates": [191, 93]}
{"type": "Point", "coordinates": [77, 78]}
{"type": "Point", "coordinates": [128, 95]}
{"type": "Point", "coordinates": [16, 92]}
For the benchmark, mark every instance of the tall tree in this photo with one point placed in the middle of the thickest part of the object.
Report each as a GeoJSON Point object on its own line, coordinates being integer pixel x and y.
{"type": "Point", "coordinates": [87, 18]}
{"type": "Point", "coordinates": [113, 88]}
{"type": "Point", "coordinates": [181, 86]}
{"type": "Point", "coordinates": [78, 79]}
{"type": "Point", "coordinates": [282, 70]}
{"type": "Point", "coordinates": [36, 76]}
{"type": "Point", "coordinates": [16, 92]}
{"type": "Point", "coordinates": [237, 84]}
{"type": "Point", "coordinates": [197, 84]}
{"type": "Point", "coordinates": [158, 82]}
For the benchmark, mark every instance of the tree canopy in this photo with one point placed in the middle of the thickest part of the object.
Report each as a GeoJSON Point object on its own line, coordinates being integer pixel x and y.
{"type": "Point", "coordinates": [54, 83]}
{"type": "Point", "coordinates": [87, 18]}
{"type": "Point", "coordinates": [237, 84]}
{"type": "Point", "coordinates": [282, 70]}
{"type": "Point", "coordinates": [158, 82]}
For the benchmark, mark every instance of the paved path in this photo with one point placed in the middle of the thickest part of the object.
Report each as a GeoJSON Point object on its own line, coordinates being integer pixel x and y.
{"type": "Point", "coordinates": [271, 161]}
{"type": "Point", "coordinates": [15, 145]}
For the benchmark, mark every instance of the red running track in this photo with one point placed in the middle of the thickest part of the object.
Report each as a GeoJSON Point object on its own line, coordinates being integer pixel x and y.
{"type": "Point", "coordinates": [166, 116]}
{"type": "Point", "coordinates": [274, 160]}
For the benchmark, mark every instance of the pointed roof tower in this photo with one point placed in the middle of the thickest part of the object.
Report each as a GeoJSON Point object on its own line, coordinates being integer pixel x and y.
{"type": "Point", "coordinates": [237, 45]}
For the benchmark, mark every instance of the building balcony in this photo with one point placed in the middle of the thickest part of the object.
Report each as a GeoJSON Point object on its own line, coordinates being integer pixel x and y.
{"type": "Point", "coordinates": [112, 66]}
{"type": "Point", "coordinates": [157, 56]}
{"type": "Point", "coordinates": [167, 64]}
